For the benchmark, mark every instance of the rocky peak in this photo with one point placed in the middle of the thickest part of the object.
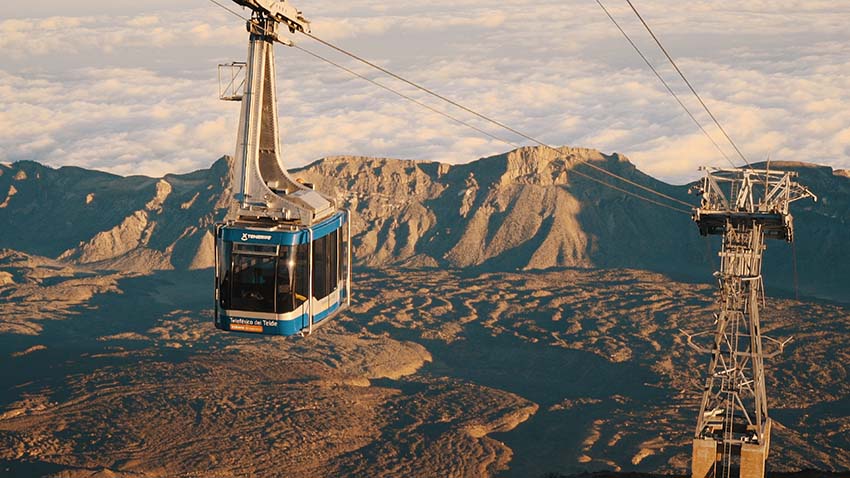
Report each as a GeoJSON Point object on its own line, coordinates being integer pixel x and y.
{"type": "Point", "coordinates": [542, 166]}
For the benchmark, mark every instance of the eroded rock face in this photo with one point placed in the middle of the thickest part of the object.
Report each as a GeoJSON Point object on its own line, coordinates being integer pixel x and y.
{"type": "Point", "coordinates": [126, 246]}
{"type": "Point", "coordinates": [9, 196]}
{"type": "Point", "coordinates": [517, 210]}
{"type": "Point", "coordinates": [118, 241]}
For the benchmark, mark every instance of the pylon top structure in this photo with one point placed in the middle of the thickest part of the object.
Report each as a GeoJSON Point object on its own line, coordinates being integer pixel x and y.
{"type": "Point", "coordinates": [732, 197]}
{"type": "Point", "coordinates": [745, 206]}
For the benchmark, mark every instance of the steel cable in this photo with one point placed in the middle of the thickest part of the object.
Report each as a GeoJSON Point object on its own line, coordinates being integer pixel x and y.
{"type": "Point", "coordinates": [694, 91]}
{"type": "Point", "coordinates": [473, 112]}
{"type": "Point", "coordinates": [664, 82]}
{"type": "Point", "coordinates": [468, 125]}
{"type": "Point", "coordinates": [486, 118]}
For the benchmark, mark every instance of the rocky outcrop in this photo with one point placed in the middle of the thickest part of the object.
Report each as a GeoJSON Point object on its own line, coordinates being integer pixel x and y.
{"type": "Point", "coordinates": [9, 196]}
{"type": "Point", "coordinates": [132, 233]}
{"type": "Point", "coordinates": [524, 209]}
{"type": "Point", "coordinates": [130, 238]}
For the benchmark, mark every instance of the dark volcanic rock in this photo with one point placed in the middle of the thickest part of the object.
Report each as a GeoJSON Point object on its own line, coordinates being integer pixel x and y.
{"type": "Point", "coordinates": [429, 373]}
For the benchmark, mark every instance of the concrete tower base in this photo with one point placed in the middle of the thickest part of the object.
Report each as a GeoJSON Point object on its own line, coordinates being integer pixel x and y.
{"type": "Point", "coordinates": [754, 456]}
{"type": "Point", "coordinates": [705, 457]}
{"type": "Point", "coordinates": [707, 454]}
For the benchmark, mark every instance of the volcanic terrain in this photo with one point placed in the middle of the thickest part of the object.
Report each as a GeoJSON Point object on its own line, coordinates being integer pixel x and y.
{"type": "Point", "coordinates": [509, 320]}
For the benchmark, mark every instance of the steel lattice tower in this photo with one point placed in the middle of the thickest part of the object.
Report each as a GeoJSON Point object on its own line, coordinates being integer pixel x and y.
{"type": "Point", "coordinates": [744, 206]}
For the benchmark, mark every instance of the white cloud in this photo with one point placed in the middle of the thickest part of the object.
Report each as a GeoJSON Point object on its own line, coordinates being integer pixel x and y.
{"type": "Point", "coordinates": [132, 89]}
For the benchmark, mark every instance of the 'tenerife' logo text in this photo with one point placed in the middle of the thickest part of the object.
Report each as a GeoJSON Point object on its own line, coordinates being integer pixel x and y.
{"type": "Point", "coordinates": [256, 237]}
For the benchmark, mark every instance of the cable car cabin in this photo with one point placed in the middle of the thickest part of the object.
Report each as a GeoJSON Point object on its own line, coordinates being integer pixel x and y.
{"type": "Point", "coordinates": [283, 252]}
{"type": "Point", "coordinates": [283, 280]}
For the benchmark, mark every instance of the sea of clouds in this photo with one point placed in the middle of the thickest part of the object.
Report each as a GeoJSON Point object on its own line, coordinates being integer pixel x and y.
{"type": "Point", "coordinates": [131, 87]}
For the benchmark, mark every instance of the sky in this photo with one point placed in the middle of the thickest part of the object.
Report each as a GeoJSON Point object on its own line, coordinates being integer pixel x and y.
{"type": "Point", "coordinates": [131, 87]}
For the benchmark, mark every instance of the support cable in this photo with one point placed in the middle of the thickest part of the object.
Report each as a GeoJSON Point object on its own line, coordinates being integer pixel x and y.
{"type": "Point", "coordinates": [682, 75]}
{"type": "Point", "coordinates": [468, 125]}
{"type": "Point", "coordinates": [664, 82]}
{"type": "Point", "coordinates": [402, 95]}
{"type": "Point", "coordinates": [487, 118]}
{"type": "Point", "coordinates": [234, 12]}
{"type": "Point", "coordinates": [464, 123]}
{"type": "Point", "coordinates": [380, 85]}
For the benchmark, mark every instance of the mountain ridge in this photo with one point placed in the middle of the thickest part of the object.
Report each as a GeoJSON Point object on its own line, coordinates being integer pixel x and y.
{"type": "Point", "coordinates": [524, 209]}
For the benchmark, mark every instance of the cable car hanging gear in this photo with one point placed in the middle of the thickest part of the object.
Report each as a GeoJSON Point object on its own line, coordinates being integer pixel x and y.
{"type": "Point", "coordinates": [283, 252]}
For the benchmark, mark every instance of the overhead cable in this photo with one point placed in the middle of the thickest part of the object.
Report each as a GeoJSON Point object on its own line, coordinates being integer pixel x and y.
{"type": "Point", "coordinates": [487, 118]}
{"type": "Point", "coordinates": [467, 124]}
{"type": "Point", "coordinates": [664, 82]}
{"type": "Point", "coordinates": [376, 83]}
{"type": "Point", "coordinates": [694, 91]}
{"type": "Point", "coordinates": [402, 95]}
{"type": "Point", "coordinates": [234, 12]}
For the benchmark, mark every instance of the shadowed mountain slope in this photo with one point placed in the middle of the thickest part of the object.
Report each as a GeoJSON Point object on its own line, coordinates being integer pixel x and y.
{"type": "Point", "coordinates": [128, 223]}
{"type": "Point", "coordinates": [519, 210]}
